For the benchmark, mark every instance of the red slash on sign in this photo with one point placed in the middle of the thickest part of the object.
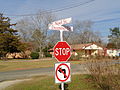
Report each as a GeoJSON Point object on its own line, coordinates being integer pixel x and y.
{"type": "Point", "coordinates": [63, 71]}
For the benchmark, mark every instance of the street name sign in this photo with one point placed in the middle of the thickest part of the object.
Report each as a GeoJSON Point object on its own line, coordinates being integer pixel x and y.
{"type": "Point", "coordinates": [60, 25]}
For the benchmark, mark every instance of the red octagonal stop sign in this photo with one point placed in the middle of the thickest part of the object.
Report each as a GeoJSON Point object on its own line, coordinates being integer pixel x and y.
{"type": "Point", "coordinates": [62, 51]}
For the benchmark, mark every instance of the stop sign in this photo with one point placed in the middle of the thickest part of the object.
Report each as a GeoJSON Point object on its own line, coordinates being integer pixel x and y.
{"type": "Point", "coordinates": [62, 51]}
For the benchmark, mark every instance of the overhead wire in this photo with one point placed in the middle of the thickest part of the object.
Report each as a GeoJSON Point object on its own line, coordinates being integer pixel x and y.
{"type": "Point", "coordinates": [70, 6]}
{"type": "Point", "coordinates": [53, 10]}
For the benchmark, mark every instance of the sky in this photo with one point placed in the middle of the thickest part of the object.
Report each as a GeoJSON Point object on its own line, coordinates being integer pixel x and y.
{"type": "Point", "coordinates": [105, 14]}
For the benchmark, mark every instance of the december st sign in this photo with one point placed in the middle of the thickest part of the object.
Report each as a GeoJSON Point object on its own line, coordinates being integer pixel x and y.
{"type": "Point", "coordinates": [60, 25]}
{"type": "Point", "coordinates": [62, 21]}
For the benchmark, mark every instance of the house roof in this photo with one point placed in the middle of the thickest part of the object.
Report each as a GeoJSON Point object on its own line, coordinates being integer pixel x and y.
{"type": "Point", "coordinates": [80, 46]}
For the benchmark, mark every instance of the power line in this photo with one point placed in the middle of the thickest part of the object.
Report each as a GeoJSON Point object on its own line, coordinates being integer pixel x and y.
{"type": "Point", "coordinates": [55, 10]}
{"type": "Point", "coordinates": [73, 6]}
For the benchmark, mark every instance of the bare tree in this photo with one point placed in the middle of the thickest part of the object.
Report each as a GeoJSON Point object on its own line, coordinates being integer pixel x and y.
{"type": "Point", "coordinates": [35, 28]}
{"type": "Point", "coordinates": [53, 37]}
{"type": "Point", "coordinates": [82, 33]}
{"type": "Point", "coordinates": [25, 29]}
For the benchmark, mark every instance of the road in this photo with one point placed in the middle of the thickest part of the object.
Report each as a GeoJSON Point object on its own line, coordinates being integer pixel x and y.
{"type": "Point", "coordinates": [76, 68]}
{"type": "Point", "coordinates": [10, 75]}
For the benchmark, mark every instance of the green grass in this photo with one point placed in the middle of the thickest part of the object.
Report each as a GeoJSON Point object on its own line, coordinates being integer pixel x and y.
{"type": "Point", "coordinates": [20, 65]}
{"type": "Point", "coordinates": [78, 82]}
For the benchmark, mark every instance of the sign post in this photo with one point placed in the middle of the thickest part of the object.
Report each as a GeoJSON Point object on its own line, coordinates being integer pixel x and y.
{"type": "Point", "coordinates": [62, 86]}
{"type": "Point", "coordinates": [62, 52]}
{"type": "Point", "coordinates": [61, 35]}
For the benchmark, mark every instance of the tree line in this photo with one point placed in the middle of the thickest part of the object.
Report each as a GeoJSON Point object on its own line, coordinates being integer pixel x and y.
{"type": "Point", "coordinates": [34, 29]}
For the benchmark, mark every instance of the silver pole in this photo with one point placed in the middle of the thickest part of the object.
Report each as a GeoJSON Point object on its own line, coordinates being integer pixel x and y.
{"type": "Point", "coordinates": [61, 39]}
{"type": "Point", "coordinates": [61, 35]}
{"type": "Point", "coordinates": [62, 86]}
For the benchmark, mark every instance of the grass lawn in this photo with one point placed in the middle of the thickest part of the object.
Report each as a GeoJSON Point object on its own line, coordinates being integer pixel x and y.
{"type": "Point", "coordinates": [28, 64]}
{"type": "Point", "coordinates": [78, 82]}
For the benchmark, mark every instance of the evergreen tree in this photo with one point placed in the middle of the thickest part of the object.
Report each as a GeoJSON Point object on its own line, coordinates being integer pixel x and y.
{"type": "Point", "coordinates": [114, 38]}
{"type": "Point", "coordinates": [9, 40]}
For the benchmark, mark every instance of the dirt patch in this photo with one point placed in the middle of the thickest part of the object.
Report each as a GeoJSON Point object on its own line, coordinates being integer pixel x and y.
{"type": "Point", "coordinates": [5, 84]}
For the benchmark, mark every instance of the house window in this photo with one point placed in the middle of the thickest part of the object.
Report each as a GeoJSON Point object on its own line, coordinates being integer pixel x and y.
{"type": "Point", "coordinates": [89, 52]}
{"type": "Point", "coordinates": [111, 52]}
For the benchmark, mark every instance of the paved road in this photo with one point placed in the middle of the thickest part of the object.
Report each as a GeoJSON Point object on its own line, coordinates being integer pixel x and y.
{"type": "Point", "coordinates": [9, 75]}
{"type": "Point", "coordinates": [76, 68]}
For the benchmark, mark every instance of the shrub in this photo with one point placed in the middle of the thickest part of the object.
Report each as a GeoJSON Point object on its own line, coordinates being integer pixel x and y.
{"type": "Point", "coordinates": [34, 55]}
{"type": "Point", "coordinates": [73, 57]}
{"type": "Point", "coordinates": [104, 74]}
{"type": "Point", "coordinates": [47, 54]}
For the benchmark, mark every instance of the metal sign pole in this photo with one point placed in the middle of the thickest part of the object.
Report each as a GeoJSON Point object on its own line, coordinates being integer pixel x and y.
{"type": "Point", "coordinates": [61, 39]}
{"type": "Point", "coordinates": [62, 86]}
{"type": "Point", "coordinates": [61, 35]}
{"type": "Point", "coordinates": [58, 25]}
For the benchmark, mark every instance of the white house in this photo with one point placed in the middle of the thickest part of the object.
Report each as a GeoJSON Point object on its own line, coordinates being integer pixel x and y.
{"type": "Point", "coordinates": [113, 52]}
{"type": "Point", "coordinates": [86, 50]}
{"type": "Point", "coordinates": [92, 49]}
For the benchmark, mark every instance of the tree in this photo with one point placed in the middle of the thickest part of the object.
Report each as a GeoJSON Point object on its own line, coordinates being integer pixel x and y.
{"type": "Point", "coordinates": [114, 37]}
{"type": "Point", "coordinates": [24, 26]}
{"type": "Point", "coordinates": [111, 45]}
{"type": "Point", "coordinates": [82, 33]}
{"type": "Point", "coordinates": [35, 29]}
{"type": "Point", "coordinates": [9, 40]}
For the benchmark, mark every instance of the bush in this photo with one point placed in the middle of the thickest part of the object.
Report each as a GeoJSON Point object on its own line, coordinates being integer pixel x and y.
{"type": "Point", "coordinates": [34, 55]}
{"type": "Point", "coordinates": [73, 57]}
{"type": "Point", "coordinates": [47, 54]}
{"type": "Point", "coordinates": [104, 74]}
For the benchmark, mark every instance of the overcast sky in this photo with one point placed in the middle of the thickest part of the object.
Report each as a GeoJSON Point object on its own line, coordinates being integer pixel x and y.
{"type": "Point", "coordinates": [104, 13]}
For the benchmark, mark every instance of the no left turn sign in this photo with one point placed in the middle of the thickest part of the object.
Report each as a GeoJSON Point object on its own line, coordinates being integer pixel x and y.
{"type": "Point", "coordinates": [62, 72]}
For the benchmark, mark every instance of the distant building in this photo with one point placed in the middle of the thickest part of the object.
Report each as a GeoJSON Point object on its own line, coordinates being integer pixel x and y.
{"type": "Point", "coordinates": [86, 50]}
{"type": "Point", "coordinates": [113, 52]}
{"type": "Point", "coordinates": [91, 49]}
